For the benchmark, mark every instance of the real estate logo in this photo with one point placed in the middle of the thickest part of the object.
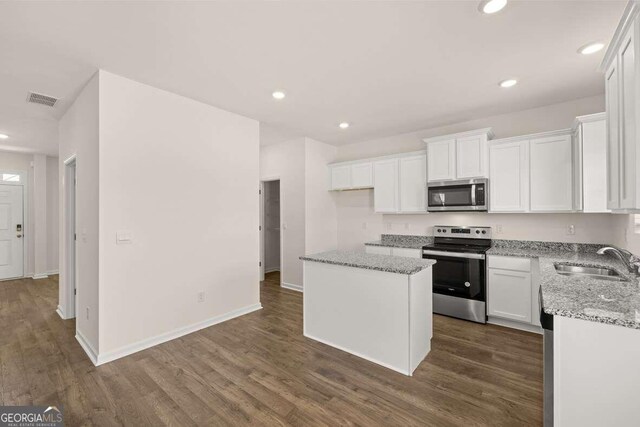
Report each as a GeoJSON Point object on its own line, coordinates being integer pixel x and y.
{"type": "Point", "coordinates": [31, 416]}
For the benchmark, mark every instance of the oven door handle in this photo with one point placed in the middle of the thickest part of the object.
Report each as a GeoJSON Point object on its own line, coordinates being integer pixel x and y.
{"type": "Point", "coordinates": [453, 254]}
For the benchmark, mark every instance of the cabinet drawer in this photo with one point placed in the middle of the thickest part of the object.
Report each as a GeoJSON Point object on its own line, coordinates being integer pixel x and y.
{"type": "Point", "coordinates": [509, 263]}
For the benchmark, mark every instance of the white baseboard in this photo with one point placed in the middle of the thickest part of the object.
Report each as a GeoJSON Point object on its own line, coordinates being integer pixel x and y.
{"type": "Point", "coordinates": [292, 286]}
{"type": "Point", "coordinates": [88, 348]}
{"type": "Point", "coordinates": [40, 276]}
{"type": "Point", "coordinates": [53, 272]}
{"type": "Point", "coordinates": [515, 325]}
{"type": "Point", "coordinates": [60, 312]}
{"type": "Point", "coordinates": [271, 270]}
{"type": "Point", "coordinates": [171, 335]}
{"type": "Point", "coordinates": [362, 356]}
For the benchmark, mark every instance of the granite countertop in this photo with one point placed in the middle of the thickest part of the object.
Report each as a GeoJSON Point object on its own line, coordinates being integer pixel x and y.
{"type": "Point", "coordinates": [399, 241]}
{"type": "Point", "coordinates": [390, 264]}
{"type": "Point", "coordinates": [588, 298]}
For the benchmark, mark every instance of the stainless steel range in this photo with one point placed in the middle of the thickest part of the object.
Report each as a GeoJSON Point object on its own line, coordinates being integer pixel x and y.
{"type": "Point", "coordinates": [459, 276]}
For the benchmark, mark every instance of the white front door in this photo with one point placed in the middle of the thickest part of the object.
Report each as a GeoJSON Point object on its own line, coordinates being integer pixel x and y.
{"type": "Point", "coordinates": [11, 231]}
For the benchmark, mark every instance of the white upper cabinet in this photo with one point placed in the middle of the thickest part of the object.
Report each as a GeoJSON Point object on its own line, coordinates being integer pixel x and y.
{"type": "Point", "coordinates": [590, 172]}
{"type": "Point", "coordinates": [413, 183]}
{"type": "Point", "coordinates": [401, 184]}
{"type": "Point", "coordinates": [458, 156]}
{"type": "Point", "coordinates": [351, 175]}
{"type": "Point", "coordinates": [340, 177]}
{"type": "Point", "coordinates": [622, 85]}
{"type": "Point", "coordinates": [471, 156]}
{"type": "Point", "coordinates": [362, 175]}
{"type": "Point", "coordinates": [551, 180]}
{"type": "Point", "coordinates": [442, 160]}
{"type": "Point", "coordinates": [509, 176]}
{"type": "Point", "coordinates": [385, 186]}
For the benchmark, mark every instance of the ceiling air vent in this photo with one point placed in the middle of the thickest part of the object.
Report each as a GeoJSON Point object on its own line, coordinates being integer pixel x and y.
{"type": "Point", "coordinates": [38, 98]}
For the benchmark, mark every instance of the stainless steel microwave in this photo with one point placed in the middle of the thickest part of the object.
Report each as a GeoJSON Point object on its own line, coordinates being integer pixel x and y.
{"type": "Point", "coordinates": [463, 195]}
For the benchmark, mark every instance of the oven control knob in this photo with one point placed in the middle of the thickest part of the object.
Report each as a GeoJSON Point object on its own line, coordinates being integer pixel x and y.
{"type": "Point", "coordinates": [439, 231]}
{"type": "Point", "coordinates": [467, 284]}
{"type": "Point", "coordinates": [484, 231]}
{"type": "Point", "coordinates": [477, 231]}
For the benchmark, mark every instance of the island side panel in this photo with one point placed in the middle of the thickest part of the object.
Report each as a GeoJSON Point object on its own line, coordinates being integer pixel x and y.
{"type": "Point", "coordinates": [595, 373]}
{"type": "Point", "coordinates": [363, 312]}
{"type": "Point", "coordinates": [420, 317]}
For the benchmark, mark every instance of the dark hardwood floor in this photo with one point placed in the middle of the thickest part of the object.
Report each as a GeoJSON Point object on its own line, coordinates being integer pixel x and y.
{"type": "Point", "coordinates": [258, 369]}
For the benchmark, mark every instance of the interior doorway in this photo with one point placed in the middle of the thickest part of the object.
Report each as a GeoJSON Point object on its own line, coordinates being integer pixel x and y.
{"type": "Point", "coordinates": [70, 236]}
{"type": "Point", "coordinates": [270, 231]}
{"type": "Point", "coordinates": [11, 226]}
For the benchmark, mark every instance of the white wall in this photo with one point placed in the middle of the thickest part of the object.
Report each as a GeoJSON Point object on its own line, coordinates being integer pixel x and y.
{"type": "Point", "coordinates": [309, 217]}
{"type": "Point", "coordinates": [321, 225]}
{"type": "Point", "coordinates": [272, 226]}
{"type": "Point", "coordinates": [286, 161]}
{"type": "Point", "coordinates": [358, 223]}
{"type": "Point", "coordinates": [78, 134]}
{"type": "Point", "coordinates": [182, 178]}
{"type": "Point", "coordinates": [52, 215]}
{"type": "Point", "coordinates": [551, 117]}
{"type": "Point", "coordinates": [40, 217]}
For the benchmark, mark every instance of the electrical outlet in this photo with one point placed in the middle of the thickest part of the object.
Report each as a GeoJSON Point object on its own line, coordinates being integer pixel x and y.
{"type": "Point", "coordinates": [406, 225]}
{"type": "Point", "coordinates": [499, 229]}
{"type": "Point", "coordinates": [87, 313]}
{"type": "Point", "coordinates": [571, 230]}
{"type": "Point", "coordinates": [387, 225]}
{"type": "Point", "coordinates": [200, 296]}
{"type": "Point", "coordinates": [364, 225]}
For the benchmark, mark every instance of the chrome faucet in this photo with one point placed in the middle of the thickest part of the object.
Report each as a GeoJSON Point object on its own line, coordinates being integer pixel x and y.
{"type": "Point", "coordinates": [628, 259]}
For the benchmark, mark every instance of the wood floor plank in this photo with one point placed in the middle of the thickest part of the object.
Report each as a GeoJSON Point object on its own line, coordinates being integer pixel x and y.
{"type": "Point", "coordinates": [259, 369]}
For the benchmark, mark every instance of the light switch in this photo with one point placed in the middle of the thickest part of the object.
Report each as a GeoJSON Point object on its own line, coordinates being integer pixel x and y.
{"type": "Point", "coordinates": [123, 237]}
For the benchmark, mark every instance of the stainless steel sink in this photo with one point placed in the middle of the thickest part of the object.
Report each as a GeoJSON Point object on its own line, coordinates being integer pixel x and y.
{"type": "Point", "coordinates": [596, 272]}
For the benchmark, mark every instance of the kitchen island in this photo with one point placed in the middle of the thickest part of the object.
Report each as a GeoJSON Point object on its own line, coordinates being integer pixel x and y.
{"type": "Point", "coordinates": [377, 307]}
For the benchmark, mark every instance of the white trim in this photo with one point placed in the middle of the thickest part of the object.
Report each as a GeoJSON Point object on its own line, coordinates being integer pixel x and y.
{"type": "Point", "coordinates": [291, 286]}
{"type": "Point", "coordinates": [280, 206]}
{"type": "Point", "coordinates": [518, 138]}
{"type": "Point", "coordinates": [61, 313]}
{"type": "Point", "coordinates": [355, 353]}
{"type": "Point", "coordinates": [171, 335]}
{"type": "Point", "coordinates": [53, 272]}
{"type": "Point", "coordinates": [88, 348]}
{"type": "Point", "coordinates": [39, 276]}
{"type": "Point", "coordinates": [515, 325]}
{"type": "Point", "coordinates": [271, 270]}
{"type": "Point", "coordinates": [630, 11]}
{"type": "Point", "coordinates": [588, 119]}
{"type": "Point", "coordinates": [484, 131]}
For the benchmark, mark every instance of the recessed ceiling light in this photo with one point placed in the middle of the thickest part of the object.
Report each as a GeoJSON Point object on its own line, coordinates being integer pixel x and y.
{"type": "Point", "coordinates": [3, 136]}
{"type": "Point", "coordinates": [590, 48]}
{"type": "Point", "coordinates": [508, 83]}
{"type": "Point", "coordinates": [278, 94]}
{"type": "Point", "coordinates": [491, 6]}
{"type": "Point", "coordinates": [343, 125]}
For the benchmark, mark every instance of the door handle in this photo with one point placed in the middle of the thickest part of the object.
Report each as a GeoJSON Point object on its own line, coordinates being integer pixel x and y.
{"type": "Point", "coordinates": [19, 236]}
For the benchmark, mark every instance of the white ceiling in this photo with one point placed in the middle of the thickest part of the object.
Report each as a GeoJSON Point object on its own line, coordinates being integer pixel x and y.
{"type": "Point", "coordinates": [386, 67]}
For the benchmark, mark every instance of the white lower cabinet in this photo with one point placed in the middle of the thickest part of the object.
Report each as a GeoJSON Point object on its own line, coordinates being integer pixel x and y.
{"type": "Point", "coordinates": [512, 291]}
{"type": "Point", "coordinates": [510, 294]}
{"type": "Point", "coordinates": [385, 250]}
